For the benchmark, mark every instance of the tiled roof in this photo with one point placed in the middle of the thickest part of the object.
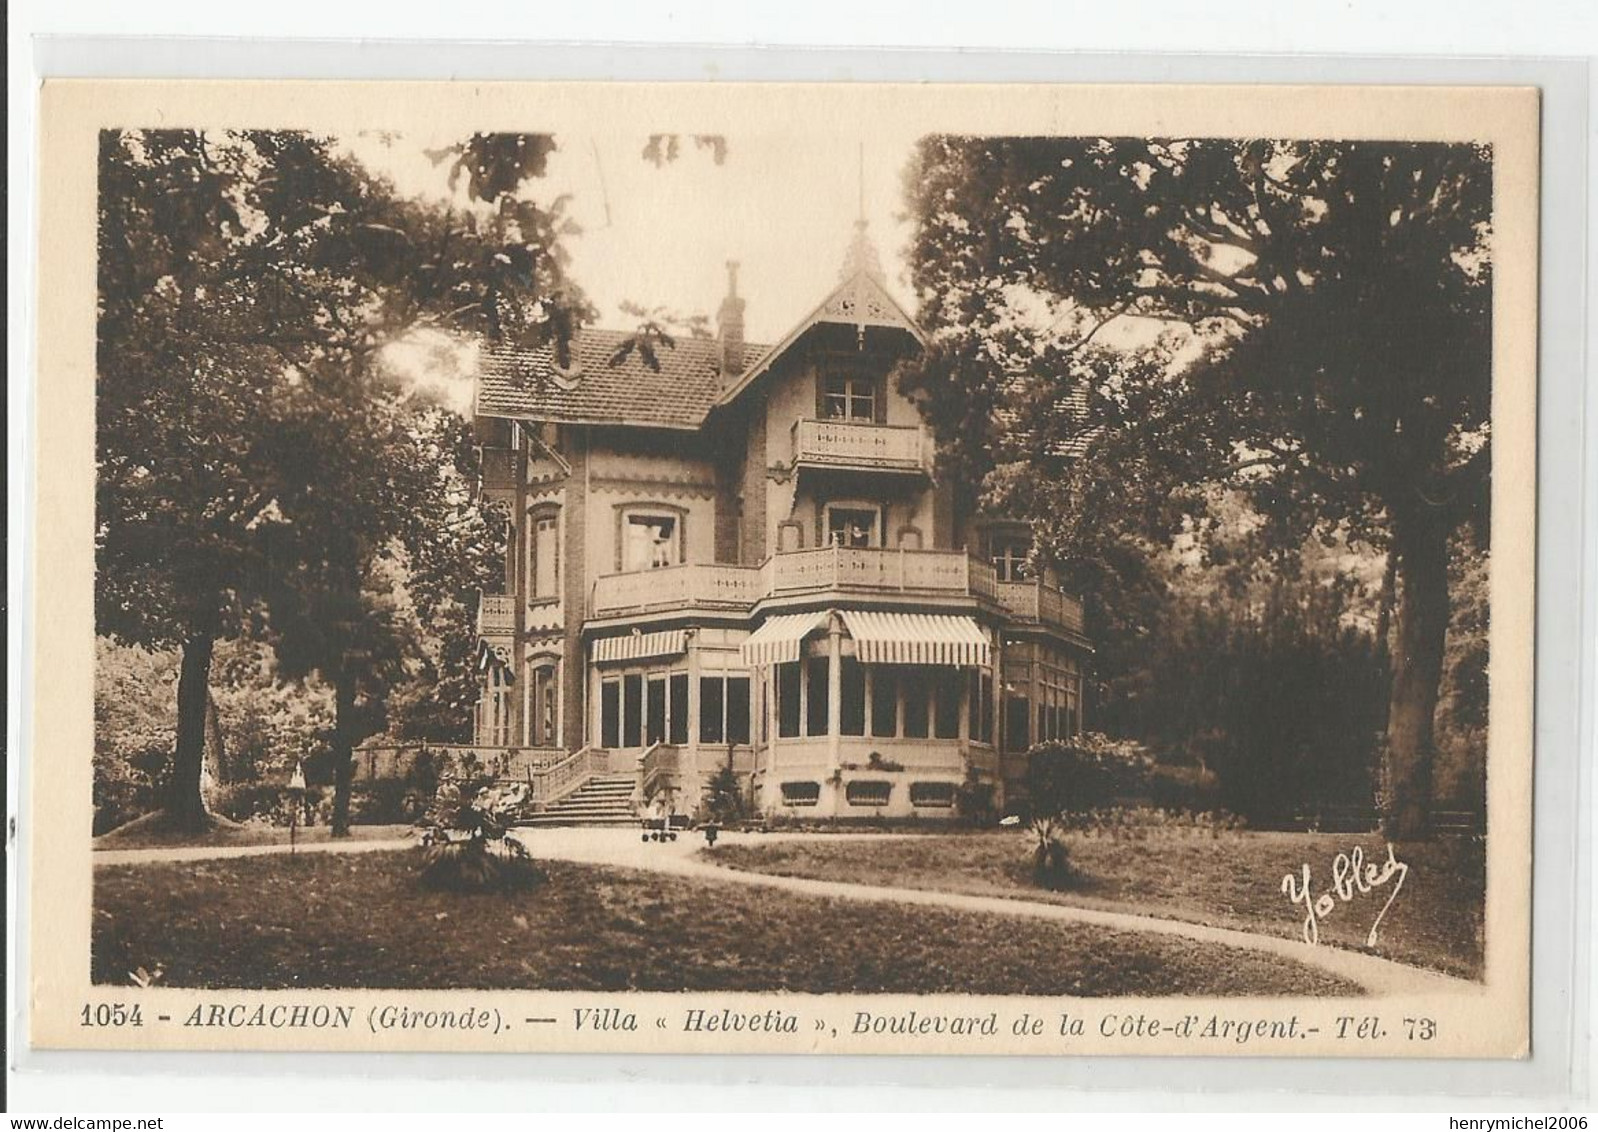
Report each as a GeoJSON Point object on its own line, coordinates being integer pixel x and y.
{"type": "Point", "coordinates": [520, 382]}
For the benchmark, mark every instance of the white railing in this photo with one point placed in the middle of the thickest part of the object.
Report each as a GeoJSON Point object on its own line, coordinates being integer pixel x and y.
{"type": "Point", "coordinates": [496, 613]}
{"type": "Point", "coordinates": [859, 444]}
{"type": "Point", "coordinates": [701, 584]}
{"type": "Point", "coordinates": [839, 567]}
{"type": "Point", "coordinates": [655, 763]}
{"type": "Point", "coordinates": [853, 569]}
{"type": "Point", "coordinates": [552, 783]}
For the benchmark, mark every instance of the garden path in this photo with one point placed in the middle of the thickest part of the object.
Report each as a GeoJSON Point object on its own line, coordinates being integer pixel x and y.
{"type": "Point", "coordinates": [623, 848]}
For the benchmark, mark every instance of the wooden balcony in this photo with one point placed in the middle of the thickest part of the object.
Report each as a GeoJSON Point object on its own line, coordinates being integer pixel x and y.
{"type": "Point", "coordinates": [862, 571]}
{"type": "Point", "coordinates": [861, 446]}
{"type": "Point", "coordinates": [691, 586]}
{"type": "Point", "coordinates": [496, 614]}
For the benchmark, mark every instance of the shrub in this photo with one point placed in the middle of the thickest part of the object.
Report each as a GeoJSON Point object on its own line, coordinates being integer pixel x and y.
{"type": "Point", "coordinates": [126, 788]}
{"type": "Point", "coordinates": [974, 800]}
{"type": "Point", "coordinates": [466, 842]}
{"type": "Point", "coordinates": [724, 803]}
{"type": "Point", "coordinates": [273, 803]}
{"type": "Point", "coordinates": [1051, 865]}
{"type": "Point", "coordinates": [1090, 773]}
{"type": "Point", "coordinates": [387, 801]}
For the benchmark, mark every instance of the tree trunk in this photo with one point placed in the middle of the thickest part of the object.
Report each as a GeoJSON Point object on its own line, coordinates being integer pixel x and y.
{"type": "Point", "coordinates": [1421, 544]}
{"type": "Point", "coordinates": [343, 750]}
{"type": "Point", "coordinates": [184, 803]}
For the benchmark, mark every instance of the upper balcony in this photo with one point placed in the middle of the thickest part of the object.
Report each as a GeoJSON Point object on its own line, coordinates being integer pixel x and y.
{"type": "Point", "coordinates": [496, 614]}
{"type": "Point", "coordinates": [861, 446]}
{"type": "Point", "coordinates": [865, 572]}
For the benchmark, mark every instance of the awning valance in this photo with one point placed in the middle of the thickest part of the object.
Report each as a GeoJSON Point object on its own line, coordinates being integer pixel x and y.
{"type": "Point", "coordinates": [777, 641]}
{"type": "Point", "coordinates": [640, 646]}
{"type": "Point", "coordinates": [916, 638]}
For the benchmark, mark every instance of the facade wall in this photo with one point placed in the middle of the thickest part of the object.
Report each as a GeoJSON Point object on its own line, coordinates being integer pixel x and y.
{"type": "Point", "coordinates": [733, 494]}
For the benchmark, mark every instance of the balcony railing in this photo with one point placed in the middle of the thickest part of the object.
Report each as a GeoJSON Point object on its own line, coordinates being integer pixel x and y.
{"type": "Point", "coordinates": [859, 444]}
{"type": "Point", "coordinates": [861, 570]}
{"type": "Point", "coordinates": [496, 613]}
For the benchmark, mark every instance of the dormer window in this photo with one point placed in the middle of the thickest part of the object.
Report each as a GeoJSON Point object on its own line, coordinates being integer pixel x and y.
{"type": "Point", "coordinates": [849, 398]}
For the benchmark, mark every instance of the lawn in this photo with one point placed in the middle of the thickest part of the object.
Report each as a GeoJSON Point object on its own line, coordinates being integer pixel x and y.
{"type": "Point", "coordinates": [152, 832]}
{"type": "Point", "coordinates": [362, 920]}
{"type": "Point", "coordinates": [1232, 880]}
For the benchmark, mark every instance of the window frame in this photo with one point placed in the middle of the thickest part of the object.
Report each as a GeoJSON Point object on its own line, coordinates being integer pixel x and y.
{"type": "Point", "coordinates": [643, 512]}
{"type": "Point", "coordinates": [875, 534]}
{"type": "Point", "coordinates": [854, 388]}
{"type": "Point", "coordinates": [1008, 566]}
{"type": "Point", "coordinates": [537, 516]}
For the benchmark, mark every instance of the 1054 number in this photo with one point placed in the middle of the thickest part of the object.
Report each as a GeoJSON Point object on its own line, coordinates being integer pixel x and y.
{"type": "Point", "coordinates": [111, 1014]}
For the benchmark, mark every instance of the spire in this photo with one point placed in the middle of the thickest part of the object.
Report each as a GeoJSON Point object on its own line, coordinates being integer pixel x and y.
{"type": "Point", "coordinates": [862, 254]}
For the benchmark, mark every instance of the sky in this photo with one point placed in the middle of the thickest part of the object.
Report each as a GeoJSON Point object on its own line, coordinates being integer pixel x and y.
{"type": "Point", "coordinates": [783, 206]}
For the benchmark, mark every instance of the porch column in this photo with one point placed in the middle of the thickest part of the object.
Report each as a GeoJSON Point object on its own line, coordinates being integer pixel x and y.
{"type": "Point", "coordinates": [768, 681]}
{"type": "Point", "coordinates": [690, 758]}
{"type": "Point", "coordinates": [834, 689]}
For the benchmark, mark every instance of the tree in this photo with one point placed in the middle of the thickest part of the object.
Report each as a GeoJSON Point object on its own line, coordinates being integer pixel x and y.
{"type": "Point", "coordinates": [1339, 295]}
{"type": "Point", "coordinates": [236, 270]}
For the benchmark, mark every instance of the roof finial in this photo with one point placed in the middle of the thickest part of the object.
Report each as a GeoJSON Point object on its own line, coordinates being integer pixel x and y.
{"type": "Point", "coordinates": [862, 254]}
{"type": "Point", "coordinates": [860, 167]}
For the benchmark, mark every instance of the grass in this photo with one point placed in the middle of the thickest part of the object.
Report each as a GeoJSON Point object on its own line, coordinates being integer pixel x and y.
{"type": "Point", "coordinates": [363, 920]}
{"type": "Point", "coordinates": [154, 831]}
{"type": "Point", "coordinates": [1232, 880]}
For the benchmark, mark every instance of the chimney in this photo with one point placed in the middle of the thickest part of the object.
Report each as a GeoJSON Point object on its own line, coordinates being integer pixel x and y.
{"type": "Point", "coordinates": [730, 324]}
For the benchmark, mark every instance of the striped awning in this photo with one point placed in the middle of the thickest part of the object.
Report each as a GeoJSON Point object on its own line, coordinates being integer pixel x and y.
{"type": "Point", "coordinates": [638, 646]}
{"type": "Point", "coordinates": [916, 638]}
{"type": "Point", "coordinates": [777, 641]}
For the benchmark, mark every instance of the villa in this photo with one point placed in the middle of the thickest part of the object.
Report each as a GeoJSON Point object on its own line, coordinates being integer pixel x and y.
{"type": "Point", "coordinates": [728, 554]}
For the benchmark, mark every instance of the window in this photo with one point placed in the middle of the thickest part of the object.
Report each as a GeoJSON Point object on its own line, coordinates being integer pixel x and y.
{"type": "Point", "coordinates": [544, 706]}
{"type": "Point", "coordinates": [712, 709]}
{"type": "Point", "coordinates": [946, 704]}
{"type": "Point", "coordinates": [724, 709]}
{"type": "Point", "coordinates": [868, 792]}
{"type": "Point", "coordinates": [544, 567]}
{"type": "Point", "coordinates": [738, 709]}
{"type": "Point", "coordinates": [884, 702]}
{"type": "Point", "coordinates": [979, 713]}
{"type": "Point", "coordinates": [816, 695]}
{"type": "Point", "coordinates": [610, 714]}
{"type": "Point", "coordinates": [850, 398]}
{"type": "Point", "coordinates": [932, 795]}
{"type": "Point", "coordinates": [853, 704]}
{"type": "Point", "coordinates": [801, 793]}
{"type": "Point", "coordinates": [494, 722]}
{"type": "Point", "coordinates": [1017, 714]}
{"type": "Point", "coordinates": [915, 705]}
{"type": "Point", "coordinates": [678, 731]}
{"type": "Point", "coordinates": [650, 541]}
{"type": "Point", "coordinates": [1009, 557]}
{"type": "Point", "coordinates": [632, 711]}
{"type": "Point", "coordinates": [655, 716]}
{"type": "Point", "coordinates": [788, 699]}
{"type": "Point", "coordinates": [854, 526]}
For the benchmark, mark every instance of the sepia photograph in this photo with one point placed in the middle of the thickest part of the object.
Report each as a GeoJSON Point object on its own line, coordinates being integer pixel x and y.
{"type": "Point", "coordinates": [800, 562]}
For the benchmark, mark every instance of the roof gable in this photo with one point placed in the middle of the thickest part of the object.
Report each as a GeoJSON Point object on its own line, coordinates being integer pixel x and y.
{"type": "Point", "coordinates": [859, 301]}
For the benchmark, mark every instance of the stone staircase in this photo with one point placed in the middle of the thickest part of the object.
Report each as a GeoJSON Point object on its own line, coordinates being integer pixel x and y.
{"type": "Point", "coordinates": [605, 799]}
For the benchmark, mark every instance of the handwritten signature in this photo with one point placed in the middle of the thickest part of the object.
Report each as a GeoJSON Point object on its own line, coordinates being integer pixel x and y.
{"type": "Point", "coordinates": [1351, 876]}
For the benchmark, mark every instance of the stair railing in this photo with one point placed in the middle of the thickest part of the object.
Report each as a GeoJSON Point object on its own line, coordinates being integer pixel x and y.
{"type": "Point", "coordinates": [658, 760]}
{"type": "Point", "coordinates": [552, 783]}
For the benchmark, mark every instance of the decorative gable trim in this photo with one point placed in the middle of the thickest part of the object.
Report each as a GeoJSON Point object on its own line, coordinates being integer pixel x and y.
{"type": "Point", "coordinates": [858, 301]}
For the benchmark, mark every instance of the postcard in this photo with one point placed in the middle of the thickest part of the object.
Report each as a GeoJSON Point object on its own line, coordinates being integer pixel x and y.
{"type": "Point", "coordinates": [827, 569]}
